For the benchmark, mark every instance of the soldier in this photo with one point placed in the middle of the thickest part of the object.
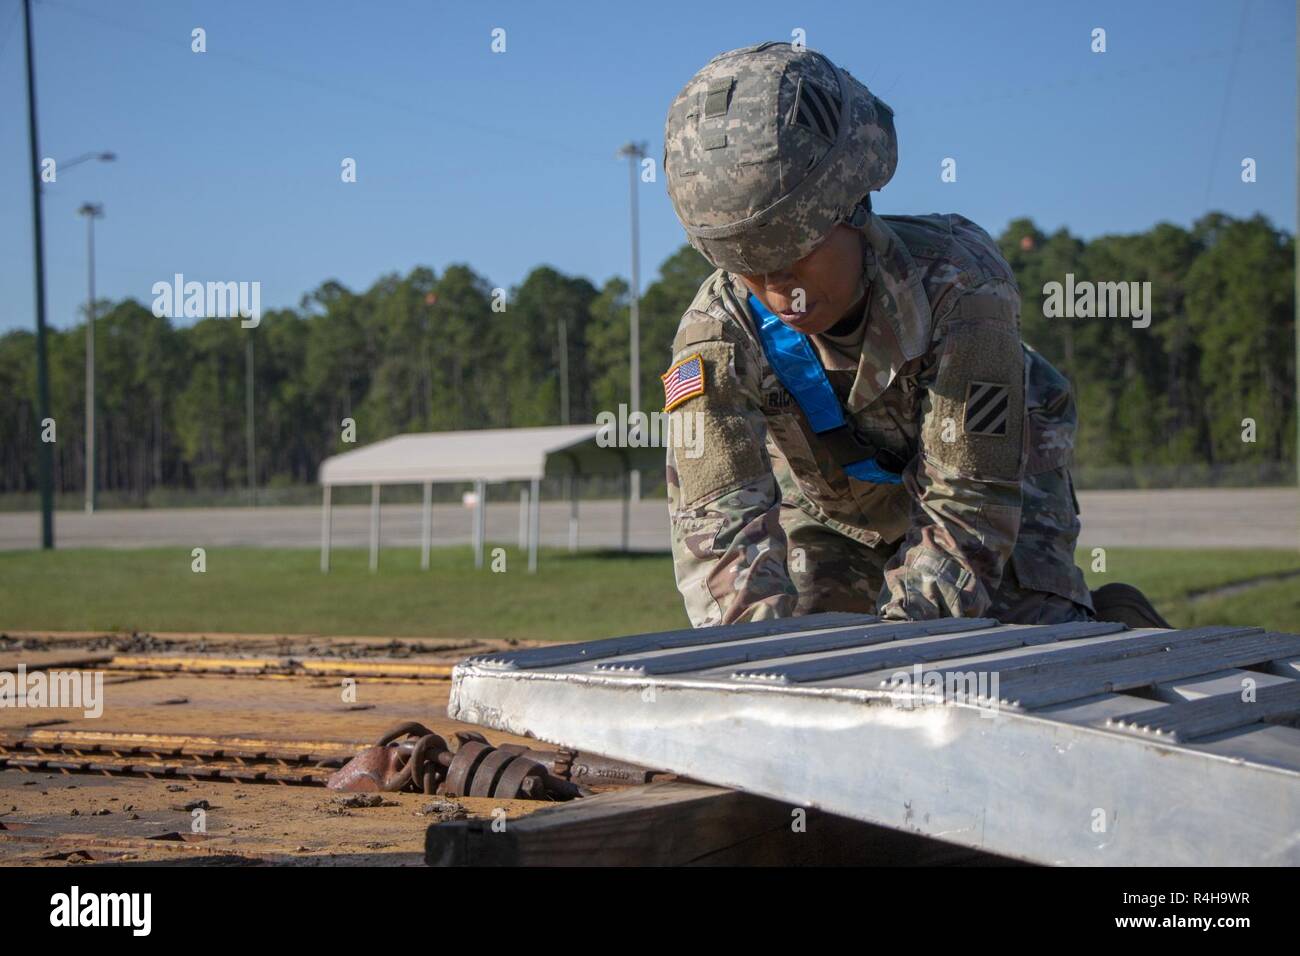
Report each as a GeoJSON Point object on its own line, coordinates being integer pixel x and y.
{"type": "Point", "coordinates": [876, 437]}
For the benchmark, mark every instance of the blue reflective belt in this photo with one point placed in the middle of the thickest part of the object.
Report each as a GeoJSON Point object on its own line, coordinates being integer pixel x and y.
{"type": "Point", "coordinates": [800, 371]}
{"type": "Point", "coordinates": [869, 470]}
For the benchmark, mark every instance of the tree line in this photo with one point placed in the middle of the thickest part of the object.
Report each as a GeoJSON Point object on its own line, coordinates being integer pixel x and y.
{"type": "Point", "coordinates": [428, 352]}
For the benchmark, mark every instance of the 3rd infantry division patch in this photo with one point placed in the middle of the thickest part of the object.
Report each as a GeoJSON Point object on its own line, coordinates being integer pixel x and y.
{"type": "Point", "coordinates": [988, 406]}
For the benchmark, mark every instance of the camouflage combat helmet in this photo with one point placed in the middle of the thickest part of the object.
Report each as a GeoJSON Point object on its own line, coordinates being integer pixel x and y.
{"type": "Point", "coordinates": [767, 149]}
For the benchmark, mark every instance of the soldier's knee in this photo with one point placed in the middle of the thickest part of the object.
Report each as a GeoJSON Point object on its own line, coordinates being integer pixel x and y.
{"type": "Point", "coordinates": [1041, 607]}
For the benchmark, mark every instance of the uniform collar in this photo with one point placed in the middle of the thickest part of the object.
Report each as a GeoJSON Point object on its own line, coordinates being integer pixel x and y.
{"type": "Point", "coordinates": [898, 313]}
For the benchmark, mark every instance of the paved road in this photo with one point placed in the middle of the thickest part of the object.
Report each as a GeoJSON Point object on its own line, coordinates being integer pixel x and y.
{"type": "Point", "coordinates": [1195, 518]}
{"type": "Point", "coordinates": [1192, 518]}
{"type": "Point", "coordinates": [599, 526]}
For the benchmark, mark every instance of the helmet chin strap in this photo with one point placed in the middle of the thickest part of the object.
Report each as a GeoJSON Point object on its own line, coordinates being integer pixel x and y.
{"type": "Point", "coordinates": [858, 220]}
{"type": "Point", "coordinates": [861, 214]}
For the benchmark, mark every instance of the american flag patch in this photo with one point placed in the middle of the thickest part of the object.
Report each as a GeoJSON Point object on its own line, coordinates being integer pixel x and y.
{"type": "Point", "coordinates": [684, 380]}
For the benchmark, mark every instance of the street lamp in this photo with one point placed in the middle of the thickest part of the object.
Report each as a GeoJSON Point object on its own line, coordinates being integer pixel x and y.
{"type": "Point", "coordinates": [104, 156]}
{"type": "Point", "coordinates": [635, 152]}
{"type": "Point", "coordinates": [91, 211]}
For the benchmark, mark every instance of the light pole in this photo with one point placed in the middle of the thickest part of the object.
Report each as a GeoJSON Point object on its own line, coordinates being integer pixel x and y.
{"type": "Point", "coordinates": [563, 331]}
{"type": "Point", "coordinates": [635, 152]}
{"type": "Point", "coordinates": [45, 454]}
{"type": "Point", "coordinates": [91, 211]}
{"type": "Point", "coordinates": [248, 401]}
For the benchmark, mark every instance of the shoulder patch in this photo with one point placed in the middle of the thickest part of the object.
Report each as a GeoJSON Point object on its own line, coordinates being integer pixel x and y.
{"type": "Point", "coordinates": [683, 381]}
{"type": "Point", "coordinates": [696, 329]}
{"type": "Point", "coordinates": [974, 425]}
{"type": "Point", "coordinates": [988, 407]}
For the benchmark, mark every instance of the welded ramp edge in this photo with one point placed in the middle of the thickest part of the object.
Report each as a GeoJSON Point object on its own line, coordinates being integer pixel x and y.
{"type": "Point", "coordinates": [1010, 781]}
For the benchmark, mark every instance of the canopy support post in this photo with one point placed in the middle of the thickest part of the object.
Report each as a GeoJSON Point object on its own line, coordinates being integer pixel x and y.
{"type": "Point", "coordinates": [480, 522]}
{"type": "Point", "coordinates": [625, 495]}
{"type": "Point", "coordinates": [325, 531]}
{"type": "Point", "coordinates": [573, 514]}
{"type": "Point", "coordinates": [374, 527]}
{"type": "Point", "coordinates": [426, 526]}
{"type": "Point", "coordinates": [523, 518]}
{"type": "Point", "coordinates": [534, 523]}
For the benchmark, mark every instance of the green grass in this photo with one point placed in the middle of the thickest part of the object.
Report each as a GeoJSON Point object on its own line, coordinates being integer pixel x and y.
{"type": "Point", "coordinates": [572, 597]}
{"type": "Point", "coordinates": [1170, 578]}
{"type": "Point", "coordinates": [1275, 606]}
{"type": "Point", "coordinates": [249, 590]}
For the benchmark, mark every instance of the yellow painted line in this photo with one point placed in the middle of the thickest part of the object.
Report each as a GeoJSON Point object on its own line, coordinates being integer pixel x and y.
{"type": "Point", "coordinates": [277, 666]}
{"type": "Point", "coordinates": [387, 668]}
{"type": "Point", "coordinates": [158, 662]}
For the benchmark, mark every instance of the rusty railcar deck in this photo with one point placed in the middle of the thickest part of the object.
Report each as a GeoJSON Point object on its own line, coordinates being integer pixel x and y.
{"type": "Point", "coordinates": [1068, 744]}
{"type": "Point", "coordinates": [244, 727]}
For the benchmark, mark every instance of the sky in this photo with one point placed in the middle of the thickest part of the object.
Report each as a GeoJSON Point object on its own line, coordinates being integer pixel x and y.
{"type": "Point", "coordinates": [229, 161]}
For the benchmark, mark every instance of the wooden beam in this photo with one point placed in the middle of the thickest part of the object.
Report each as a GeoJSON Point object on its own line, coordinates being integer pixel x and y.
{"type": "Point", "coordinates": [681, 824]}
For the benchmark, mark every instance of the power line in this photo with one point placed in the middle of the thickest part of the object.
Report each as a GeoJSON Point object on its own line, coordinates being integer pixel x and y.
{"type": "Point", "coordinates": [8, 32]}
{"type": "Point", "coordinates": [1227, 100]}
{"type": "Point", "coordinates": [459, 122]}
{"type": "Point", "coordinates": [1180, 62]}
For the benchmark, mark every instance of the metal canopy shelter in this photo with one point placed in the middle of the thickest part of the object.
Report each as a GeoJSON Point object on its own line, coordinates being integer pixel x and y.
{"type": "Point", "coordinates": [1094, 745]}
{"type": "Point", "coordinates": [481, 456]}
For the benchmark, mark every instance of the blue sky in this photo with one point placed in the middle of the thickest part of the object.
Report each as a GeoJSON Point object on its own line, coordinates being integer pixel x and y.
{"type": "Point", "coordinates": [229, 161]}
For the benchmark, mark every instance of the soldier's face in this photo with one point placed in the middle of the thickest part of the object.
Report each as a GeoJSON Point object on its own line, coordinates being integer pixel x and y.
{"type": "Point", "coordinates": [818, 290]}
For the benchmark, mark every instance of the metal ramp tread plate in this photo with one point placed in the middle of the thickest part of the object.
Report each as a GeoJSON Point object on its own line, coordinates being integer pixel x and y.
{"type": "Point", "coordinates": [1083, 743]}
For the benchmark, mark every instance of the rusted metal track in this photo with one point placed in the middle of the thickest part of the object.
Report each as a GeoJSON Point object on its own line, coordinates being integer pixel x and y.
{"type": "Point", "coordinates": [188, 758]}
{"type": "Point", "coordinates": [255, 760]}
{"type": "Point", "coordinates": [412, 757]}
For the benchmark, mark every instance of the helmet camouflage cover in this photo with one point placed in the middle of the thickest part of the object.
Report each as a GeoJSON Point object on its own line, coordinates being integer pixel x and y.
{"type": "Point", "coordinates": [767, 149]}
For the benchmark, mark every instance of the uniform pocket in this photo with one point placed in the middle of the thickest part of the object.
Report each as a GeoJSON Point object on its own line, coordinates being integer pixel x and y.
{"type": "Point", "coordinates": [1049, 528]}
{"type": "Point", "coordinates": [1051, 573]}
{"type": "Point", "coordinates": [1052, 417]}
{"type": "Point", "coordinates": [806, 467]}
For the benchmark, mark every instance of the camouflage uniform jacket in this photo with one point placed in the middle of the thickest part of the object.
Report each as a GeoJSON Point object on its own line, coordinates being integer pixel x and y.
{"type": "Point", "coordinates": [945, 535]}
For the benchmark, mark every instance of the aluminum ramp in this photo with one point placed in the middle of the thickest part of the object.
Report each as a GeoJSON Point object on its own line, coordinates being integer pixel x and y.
{"type": "Point", "coordinates": [1080, 743]}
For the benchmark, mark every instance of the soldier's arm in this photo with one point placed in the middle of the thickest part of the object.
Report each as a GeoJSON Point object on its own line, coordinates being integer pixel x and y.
{"type": "Point", "coordinates": [729, 552]}
{"type": "Point", "coordinates": [965, 483]}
